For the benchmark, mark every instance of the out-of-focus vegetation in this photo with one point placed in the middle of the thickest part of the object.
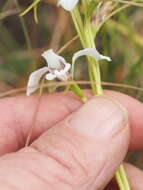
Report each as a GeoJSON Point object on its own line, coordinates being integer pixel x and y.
{"type": "Point", "coordinates": [22, 41]}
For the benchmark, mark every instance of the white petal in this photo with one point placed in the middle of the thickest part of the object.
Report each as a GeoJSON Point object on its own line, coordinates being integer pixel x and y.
{"type": "Point", "coordinates": [67, 67]}
{"type": "Point", "coordinates": [61, 75]}
{"type": "Point", "coordinates": [62, 71]}
{"type": "Point", "coordinates": [50, 76]}
{"type": "Point", "coordinates": [90, 52]}
{"type": "Point", "coordinates": [68, 4]}
{"type": "Point", "coordinates": [34, 79]}
{"type": "Point", "coordinates": [53, 60]}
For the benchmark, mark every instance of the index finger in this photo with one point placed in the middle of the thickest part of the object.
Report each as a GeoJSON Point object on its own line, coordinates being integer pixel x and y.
{"type": "Point", "coordinates": [17, 115]}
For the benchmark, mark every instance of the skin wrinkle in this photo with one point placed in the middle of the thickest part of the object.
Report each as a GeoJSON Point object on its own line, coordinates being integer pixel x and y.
{"type": "Point", "coordinates": [20, 138]}
{"type": "Point", "coordinates": [65, 181]}
{"type": "Point", "coordinates": [123, 124]}
{"type": "Point", "coordinates": [29, 171]}
{"type": "Point", "coordinates": [82, 167]}
{"type": "Point", "coordinates": [78, 139]}
{"type": "Point", "coordinates": [69, 141]}
{"type": "Point", "coordinates": [58, 161]}
{"type": "Point", "coordinates": [59, 178]}
{"type": "Point", "coordinates": [91, 181]}
{"type": "Point", "coordinates": [41, 178]}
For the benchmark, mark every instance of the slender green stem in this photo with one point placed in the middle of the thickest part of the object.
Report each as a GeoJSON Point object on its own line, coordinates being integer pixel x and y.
{"type": "Point", "coordinates": [119, 180]}
{"type": "Point", "coordinates": [25, 31]}
{"type": "Point", "coordinates": [26, 35]}
{"type": "Point", "coordinates": [78, 25]}
{"type": "Point", "coordinates": [124, 177]}
{"type": "Point", "coordinates": [87, 41]}
{"type": "Point", "coordinates": [35, 14]}
{"type": "Point", "coordinates": [30, 7]}
{"type": "Point", "coordinates": [94, 65]}
{"type": "Point", "coordinates": [112, 14]}
{"type": "Point", "coordinates": [76, 89]}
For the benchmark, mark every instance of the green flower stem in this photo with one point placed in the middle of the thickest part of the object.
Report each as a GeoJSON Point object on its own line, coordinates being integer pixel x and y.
{"type": "Point", "coordinates": [26, 35]}
{"type": "Point", "coordinates": [119, 180]}
{"type": "Point", "coordinates": [30, 7]}
{"type": "Point", "coordinates": [78, 24]}
{"type": "Point", "coordinates": [77, 90]}
{"type": "Point", "coordinates": [124, 177]}
{"type": "Point", "coordinates": [94, 65]}
{"type": "Point", "coordinates": [87, 41]}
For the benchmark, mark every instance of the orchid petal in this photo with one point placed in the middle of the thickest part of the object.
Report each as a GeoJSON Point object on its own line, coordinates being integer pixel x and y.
{"type": "Point", "coordinates": [53, 60]}
{"type": "Point", "coordinates": [61, 75]}
{"type": "Point", "coordinates": [90, 52]}
{"type": "Point", "coordinates": [68, 4]}
{"type": "Point", "coordinates": [50, 76]}
{"type": "Point", "coordinates": [34, 80]}
{"type": "Point", "coordinates": [63, 71]}
{"type": "Point", "coordinates": [67, 67]}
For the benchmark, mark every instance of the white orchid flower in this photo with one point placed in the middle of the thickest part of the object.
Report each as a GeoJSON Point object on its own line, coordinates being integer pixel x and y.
{"type": "Point", "coordinates": [92, 52]}
{"type": "Point", "coordinates": [68, 5]}
{"type": "Point", "coordinates": [56, 67]}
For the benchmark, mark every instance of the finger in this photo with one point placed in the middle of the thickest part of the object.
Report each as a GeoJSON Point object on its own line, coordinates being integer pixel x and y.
{"type": "Point", "coordinates": [18, 117]}
{"type": "Point", "coordinates": [135, 177]}
{"type": "Point", "coordinates": [135, 112]}
{"type": "Point", "coordinates": [73, 154]}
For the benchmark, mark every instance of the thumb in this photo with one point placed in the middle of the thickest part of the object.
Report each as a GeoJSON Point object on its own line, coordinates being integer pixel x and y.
{"type": "Point", "coordinates": [80, 153]}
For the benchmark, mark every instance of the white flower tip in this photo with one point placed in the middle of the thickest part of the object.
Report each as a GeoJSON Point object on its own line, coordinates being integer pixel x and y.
{"type": "Point", "coordinates": [46, 53]}
{"type": "Point", "coordinates": [106, 58]}
{"type": "Point", "coordinates": [30, 90]}
{"type": "Point", "coordinates": [68, 6]}
{"type": "Point", "coordinates": [34, 79]}
{"type": "Point", "coordinates": [27, 93]}
{"type": "Point", "coordinates": [109, 59]}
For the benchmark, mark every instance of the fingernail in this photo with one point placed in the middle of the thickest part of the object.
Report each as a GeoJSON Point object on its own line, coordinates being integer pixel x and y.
{"type": "Point", "coordinates": [100, 116]}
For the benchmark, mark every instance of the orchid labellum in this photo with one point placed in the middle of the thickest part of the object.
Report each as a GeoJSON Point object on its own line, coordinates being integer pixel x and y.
{"type": "Point", "coordinates": [56, 67]}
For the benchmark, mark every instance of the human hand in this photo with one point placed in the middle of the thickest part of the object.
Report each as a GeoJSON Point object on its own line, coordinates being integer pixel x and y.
{"type": "Point", "coordinates": [69, 151]}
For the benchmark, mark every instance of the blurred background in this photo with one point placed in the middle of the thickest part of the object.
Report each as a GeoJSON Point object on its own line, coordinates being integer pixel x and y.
{"type": "Point", "coordinates": [22, 41]}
